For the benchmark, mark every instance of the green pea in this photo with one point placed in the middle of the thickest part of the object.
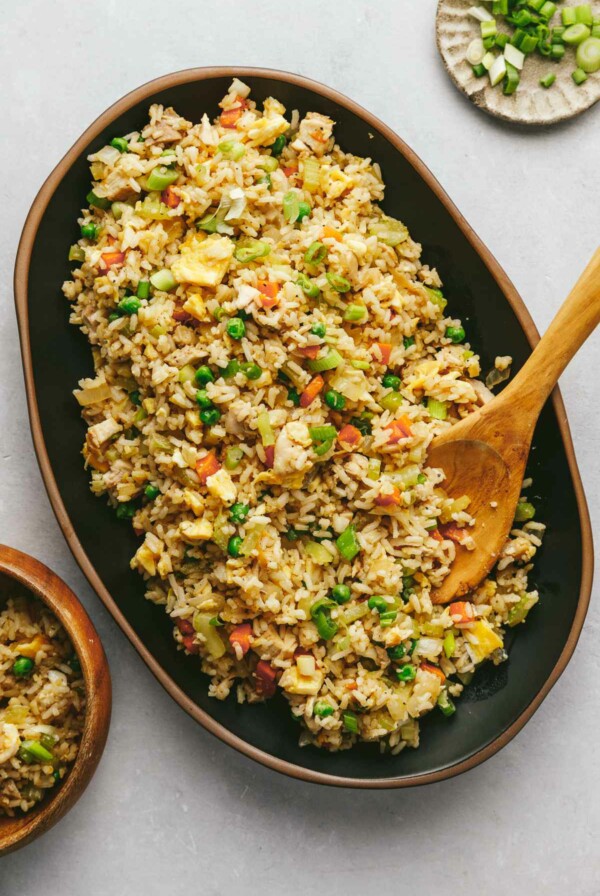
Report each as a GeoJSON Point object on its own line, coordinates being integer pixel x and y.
{"type": "Point", "coordinates": [236, 328]}
{"type": "Point", "coordinates": [151, 492]}
{"type": "Point", "coordinates": [234, 545]}
{"type": "Point", "coordinates": [294, 396]}
{"type": "Point", "coordinates": [22, 667]}
{"type": "Point", "coordinates": [406, 673]}
{"type": "Point", "coordinates": [318, 329]}
{"type": "Point", "coordinates": [120, 143]}
{"type": "Point", "coordinates": [231, 369]}
{"type": "Point", "coordinates": [134, 398]}
{"type": "Point", "coordinates": [89, 231]}
{"type": "Point", "coordinates": [210, 416]}
{"type": "Point", "coordinates": [202, 399]}
{"type": "Point", "coordinates": [456, 334]}
{"type": "Point", "coordinates": [204, 375]}
{"type": "Point", "coordinates": [304, 210]}
{"type": "Point", "coordinates": [397, 652]}
{"type": "Point", "coordinates": [334, 400]}
{"type": "Point", "coordinates": [250, 370]}
{"type": "Point", "coordinates": [322, 709]}
{"type": "Point", "coordinates": [390, 381]}
{"type": "Point", "coordinates": [377, 602]}
{"type": "Point", "coordinates": [408, 341]}
{"type": "Point", "coordinates": [341, 593]}
{"type": "Point", "coordinates": [238, 512]}
{"type": "Point", "coordinates": [350, 721]}
{"type": "Point", "coordinates": [278, 145]}
{"type": "Point", "coordinates": [129, 305]}
{"type": "Point", "coordinates": [126, 510]}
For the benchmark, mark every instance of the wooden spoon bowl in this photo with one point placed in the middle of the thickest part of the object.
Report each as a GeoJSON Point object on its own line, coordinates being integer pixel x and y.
{"type": "Point", "coordinates": [20, 572]}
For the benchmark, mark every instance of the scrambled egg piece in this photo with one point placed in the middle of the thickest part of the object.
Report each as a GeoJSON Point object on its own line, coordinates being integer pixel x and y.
{"type": "Point", "coordinates": [482, 639]}
{"type": "Point", "coordinates": [295, 683]}
{"type": "Point", "coordinates": [334, 182]}
{"type": "Point", "coordinates": [195, 531]}
{"type": "Point", "coordinates": [294, 456]}
{"type": "Point", "coordinates": [195, 306]}
{"type": "Point", "coordinates": [221, 486]}
{"type": "Point", "coordinates": [265, 130]}
{"type": "Point", "coordinates": [203, 260]}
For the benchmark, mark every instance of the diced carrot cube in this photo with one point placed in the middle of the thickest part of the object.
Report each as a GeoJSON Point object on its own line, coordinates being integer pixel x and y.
{"type": "Point", "coordinates": [331, 233]}
{"type": "Point", "coordinates": [311, 391]}
{"type": "Point", "coordinates": [399, 429]}
{"type": "Point", "coordinates": [437, 535]}
{"type": "Point", "coordinates": [265, 679]}
{"type": "Point", "coordinates": [230, 117]}
{"type": "Point", "coordinates": [382, 351]}
{"type": "Point", "coordinates": [389, 499]}
{"type": "Point", "coordinates": [184, 626]}
{"type": "Point", "coordinates": [434, 670]}
{"type": "Point", "coordinates": [109, 259]}
{"type": "Point", "coordinates": [452, 531]}
{"type": "Point", "coordinates": [289, 170]}
{"type": "Point", "coordinates": [242, 635]}
{"type": "Point", "coordinates": [461, 612]}
{"type": "Point", "coordinates": [269, 293]}
{"type": "Point", "coordinates": [349, 435]}
{"type": "Point", "coordinates": [170, 198]}
{"type": "Point", "coordinates": [207, 466]}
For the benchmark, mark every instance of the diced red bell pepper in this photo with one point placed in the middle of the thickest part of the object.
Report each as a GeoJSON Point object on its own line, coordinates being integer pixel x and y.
{"type": "Point", "coordinates": [184, 626]}
{"type": "Point", "coordinates": [289, 170]}
{"type": "Point", "coordinates": [399, 429]}
{"type": "Point", "coordinates": [461, 612]}
{"type": "Point", "coordinates": [435, 533]}
{"type": "Point", "coordinates": [269, 293]}
{"type": "Point", "coordinates": [270, 456]}
{"type": "Point", "coordinates": [242, 635]}
{"type": "Point", "coordinates": [181, 316]}
{"type": "Point", "coordinates": [110, 259]}
{"type": "Point", "coordinates": [230, 117]}
{"type": "Point", "coordinates": [207, 466]}
{"type": "Point", "coordinates": [434, 670]}
{"type": "Point", "coordinates": [452, 531]}
{"type": "Point", "coordinates": [190, 644]}
{"type": "Point", "coordinates": [349, 435]}
{"type": "Point", "coordinates": [311, 391]}
{"type": "Point", "coordinates": [170, 197]}
{"type": "Point", "coordinates": [389, 499]}
{"type": "Point", "coordinates": [382, 351]}
{"type": "Point", "coordinates": [265, 679]}
{"type": "Point", "coordinates": [309, 351]}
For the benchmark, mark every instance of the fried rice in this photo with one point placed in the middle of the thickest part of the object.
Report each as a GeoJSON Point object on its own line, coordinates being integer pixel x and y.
{"type": "Point", "coordinates": [42, 703]}
{"type": "Point", "coordinates": [272, 360]}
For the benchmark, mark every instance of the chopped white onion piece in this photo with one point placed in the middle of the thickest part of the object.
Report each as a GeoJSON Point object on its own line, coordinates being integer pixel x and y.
{"type": "Point", "coordinates": [475, 51]}
{"type": "Point", "coordinates": [481, 14]}
{"type": "Point", "coordinates": [514, 56]}
{"type": "Point", "coordinates": [488, 61]}
{"type": "Point", "coordinates": [498, 70]}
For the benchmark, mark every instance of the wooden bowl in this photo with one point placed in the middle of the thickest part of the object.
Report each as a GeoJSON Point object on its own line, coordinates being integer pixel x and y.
{"type": "Point", "coordinates": [500, 699]}
{"type": "Point", "coordinates": [26, 572]}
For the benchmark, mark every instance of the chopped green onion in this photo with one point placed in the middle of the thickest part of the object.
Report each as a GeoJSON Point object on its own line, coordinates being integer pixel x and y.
{"type": "Point", "coordinates": [488, 28]}
{"type": "Point", "coordinates": [579, 76]}
{"type": "Point", "coordinates": [444, 701]}
{"type": "Point", "coordinates": [163, 280]}
{"type": "Point", "coordinates": [347, 543]}
{"type": "Point", "coordinates": [449, 644]}
{"type": "Point", "coordinates": [32, 751]}
{"type": "Point", "coordinates": [311, 174]}
{"type": "Point", "coordinates": [408, 342]}
{"type": "Point", "coordinates": [316, 253]}
{"type": "Point", "coordinates": [479, 70]}
{"type": "Point", "coordinates": [340, 284]}
{"type": "Point", "coordinates": [318, 552]}
{"type": "Point", "coordinates": [519, 611]}
{"type": "Point", "coordinates": [294, 396]}
{"type": "Point", "coordinates": [291, 206]}
{"type": "Point", "coordinates": [360, 365]}
{"type": "Point", "coordinates": [583, 14]}
{"type": "Point", "coordinates": [576, 34]}
{"type": "Point", "coordinates": [557, 52]}
{"type": "Point", "coordinates": [269, 164]}
{"type": "Point", "coordinates": [143, 289]}
{"type": "Point", "coordinates": [355, 313]}
{"type": "Point", "coordinates": [389, 231]}
{"type": "Point", "coordinates": [475, 52]}
{"type": "Point", "coordinates": [511, 81]}
{"type": "Point", "coordinates": [437, 297]}
{"type": "Point", "coordinates": [524, 511]}
{"type": "Point", "coordinates": [334, 400]}
{"type": "Point", "coordinates": [263, 424]}
{"type": "Point", "coordinates": [76, 253]}
{"type": "Point", "coordinates": [308, 287]}
{"type": "Point", "coordinates": [497, 70]}
{"type": "Point", "coordinates": [151, 492]}
{"type": "Point", "coordinates": [120, 143]}
{"type": "Point", "coordinates": [588, 55]}
{"type": "Point", "coordinates": [248, 249]}
{"type": "Point", "coordinates": [321, 615]}
{"type": "Point", "coordinates": [129, 305]}
{"type": "Point", "coordinates": [331, 360]}
{"type": "Point", "coordinates": [397, 652]}
{"type": "Point", "coordinates": [362, 424]}
{"type": "Point", "coordinates": [97, 201]}
{"type": "Point", "coordinates": [304, 211]}
{"type": "Point", "coordinates": [320, 433]}
{"type": "Point", "coordinates": [232, 150]}
{"type": "Point", "coordinates": [233, 457]}
{"type": "Point", "coordinates": [388, 618]}
{"type": "Point", "coordinates": [278, 145]}
{"type": "Point", "coordinates": [374, 468]}
{"type": "Point", "coordinates": [437, 409]}
{"type": "Point", "coordinates": [161, 177]}
{"type": "Point", "coordinates": [548, 80]}
{"type": "Point", "coordinates": [350, 721]}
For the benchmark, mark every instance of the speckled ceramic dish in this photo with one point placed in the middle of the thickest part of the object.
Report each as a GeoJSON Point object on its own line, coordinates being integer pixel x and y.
{"type": "Point", "coordinates": [531, 103]}
{"type": "Point", "coordinates": [55, 355]}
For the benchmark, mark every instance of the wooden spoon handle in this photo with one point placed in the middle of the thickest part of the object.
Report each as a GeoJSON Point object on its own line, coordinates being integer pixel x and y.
{"type": "Point", "coordinates": [576, 319]}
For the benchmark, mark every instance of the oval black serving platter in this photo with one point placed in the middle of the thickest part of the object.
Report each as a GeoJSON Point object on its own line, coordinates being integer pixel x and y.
{"type": "Point", "coordinates": [55, 356]}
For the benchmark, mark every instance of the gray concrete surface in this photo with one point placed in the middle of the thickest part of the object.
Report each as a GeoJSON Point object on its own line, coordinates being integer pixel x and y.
{"type": "Point", "coordinates": [171, 810]}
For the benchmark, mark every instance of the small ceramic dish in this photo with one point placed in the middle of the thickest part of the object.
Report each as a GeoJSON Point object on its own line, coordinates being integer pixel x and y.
{"type": "Point", "coordinates": [531, 103]}
{"type": "Point", "coordinates": [21, 572]}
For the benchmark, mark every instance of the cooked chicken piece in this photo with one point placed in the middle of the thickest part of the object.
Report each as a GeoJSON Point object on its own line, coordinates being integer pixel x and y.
{"type": "Point", "coordinates": [100, 433]}
{"type": "Point", "coordinates": [315, 131]}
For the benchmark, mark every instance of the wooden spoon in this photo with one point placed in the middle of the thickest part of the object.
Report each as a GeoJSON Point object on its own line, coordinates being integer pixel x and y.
{"type": "Point", "coordinates": [484, 455]}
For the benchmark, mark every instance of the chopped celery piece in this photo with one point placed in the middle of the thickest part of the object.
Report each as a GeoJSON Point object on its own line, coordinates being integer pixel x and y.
{"type": "Point", "coordinates": [265, 429]}
{"type": "Point", "coordinates": [437, 409]}
{"type": "Point", "coordinates": [163, 280]}
{"type": "Point", "coordinates": [347, 543]}
{"type": "Point", "coordinates": [331, 360]}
